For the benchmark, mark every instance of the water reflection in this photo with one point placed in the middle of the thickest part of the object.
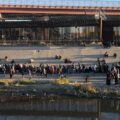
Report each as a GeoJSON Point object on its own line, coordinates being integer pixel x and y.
{"type": "Point", "coordinates": [83, 109]}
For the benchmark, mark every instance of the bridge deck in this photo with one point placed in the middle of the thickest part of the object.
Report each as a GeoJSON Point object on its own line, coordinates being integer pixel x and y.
{"type": "Point", "coordinates": [60, 6]}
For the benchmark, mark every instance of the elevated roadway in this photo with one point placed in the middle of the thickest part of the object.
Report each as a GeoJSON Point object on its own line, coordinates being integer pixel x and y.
{"type": "Point", "coordinates": [69, 10]}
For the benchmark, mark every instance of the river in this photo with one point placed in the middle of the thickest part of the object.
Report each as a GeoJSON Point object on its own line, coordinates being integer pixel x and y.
{"type": "Point", "coordinates": [65, 109]}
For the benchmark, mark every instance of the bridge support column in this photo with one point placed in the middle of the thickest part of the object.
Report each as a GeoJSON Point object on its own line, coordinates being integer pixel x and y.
{"type": "Point", "coordinates": [3, 36]}
{"type": "Point", "coordinates": [46, 35]}
{"type": "Point", "coordinates": [107, 35]}
{"type": "Point", "coordinates": [101, 28]}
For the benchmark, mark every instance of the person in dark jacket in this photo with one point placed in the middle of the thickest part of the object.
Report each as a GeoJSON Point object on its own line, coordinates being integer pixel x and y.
{"type": "Point", "coordinates": [108, 78]}
{"type": "Point", "coordinates": [116, 78]}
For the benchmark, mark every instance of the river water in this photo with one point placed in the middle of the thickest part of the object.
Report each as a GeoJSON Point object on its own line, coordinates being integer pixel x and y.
{"type": "Point", "coordinates": [72, 109]}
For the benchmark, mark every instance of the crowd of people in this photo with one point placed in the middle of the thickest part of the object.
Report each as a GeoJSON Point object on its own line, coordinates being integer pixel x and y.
{"type": "Point", "coordinates": [43, 69]}
{"type": "Point", "coordinates": [113, 75]}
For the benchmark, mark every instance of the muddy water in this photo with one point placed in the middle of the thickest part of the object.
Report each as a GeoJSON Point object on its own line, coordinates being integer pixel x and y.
{"type": "Point", "coordinates": [71, 109]}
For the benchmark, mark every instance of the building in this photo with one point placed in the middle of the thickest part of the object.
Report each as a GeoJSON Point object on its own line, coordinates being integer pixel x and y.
{"type": "Point", "coordinates": [61, 22]}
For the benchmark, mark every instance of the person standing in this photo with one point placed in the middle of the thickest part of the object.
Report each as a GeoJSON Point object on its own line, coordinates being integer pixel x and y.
{"type": "Point", "coordinates": [11, 73]}
{"type": "Point", "coordinates": [4, 70]}
{"type": "Point", "coordinates": [87, 79]}
{"type": "Point", "coordinates": [45, 71]}
{"type": "Point", "coordinates": [116, 78]}
{"type": "Point", "coordinates": [108, 78]}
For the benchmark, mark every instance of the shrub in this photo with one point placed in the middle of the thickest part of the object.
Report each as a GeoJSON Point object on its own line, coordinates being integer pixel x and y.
{"type": "Point", "coordinates": [6, 82]}
{"type": "Point", "coordinates": [26, 82]}
{"type": "Point", "coordinates": [62, 81]}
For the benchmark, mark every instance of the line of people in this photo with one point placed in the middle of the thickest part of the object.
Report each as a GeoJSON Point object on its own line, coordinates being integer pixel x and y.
{"type": "Point", "coordinates": [44, 70]}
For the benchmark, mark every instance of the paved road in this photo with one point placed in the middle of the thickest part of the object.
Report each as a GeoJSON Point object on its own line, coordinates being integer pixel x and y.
{"type": "Point", "coordinates": [86, 55]}
{"type": "Point", "coordinates": [94, 78]}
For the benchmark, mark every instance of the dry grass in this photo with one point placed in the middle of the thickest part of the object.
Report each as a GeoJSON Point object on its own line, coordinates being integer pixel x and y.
{"type": "Point", "coordinates": [26, 82]}
{"type": "Point", "coordinates": [8, 82]}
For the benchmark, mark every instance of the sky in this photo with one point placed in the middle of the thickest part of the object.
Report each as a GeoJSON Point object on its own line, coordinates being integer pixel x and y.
{"type": "Point", "coordinates": [109, 3]}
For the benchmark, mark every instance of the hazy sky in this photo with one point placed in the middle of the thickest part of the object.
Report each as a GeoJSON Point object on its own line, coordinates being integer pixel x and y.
{"type": "Point", "coordinates": [110, 3]}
